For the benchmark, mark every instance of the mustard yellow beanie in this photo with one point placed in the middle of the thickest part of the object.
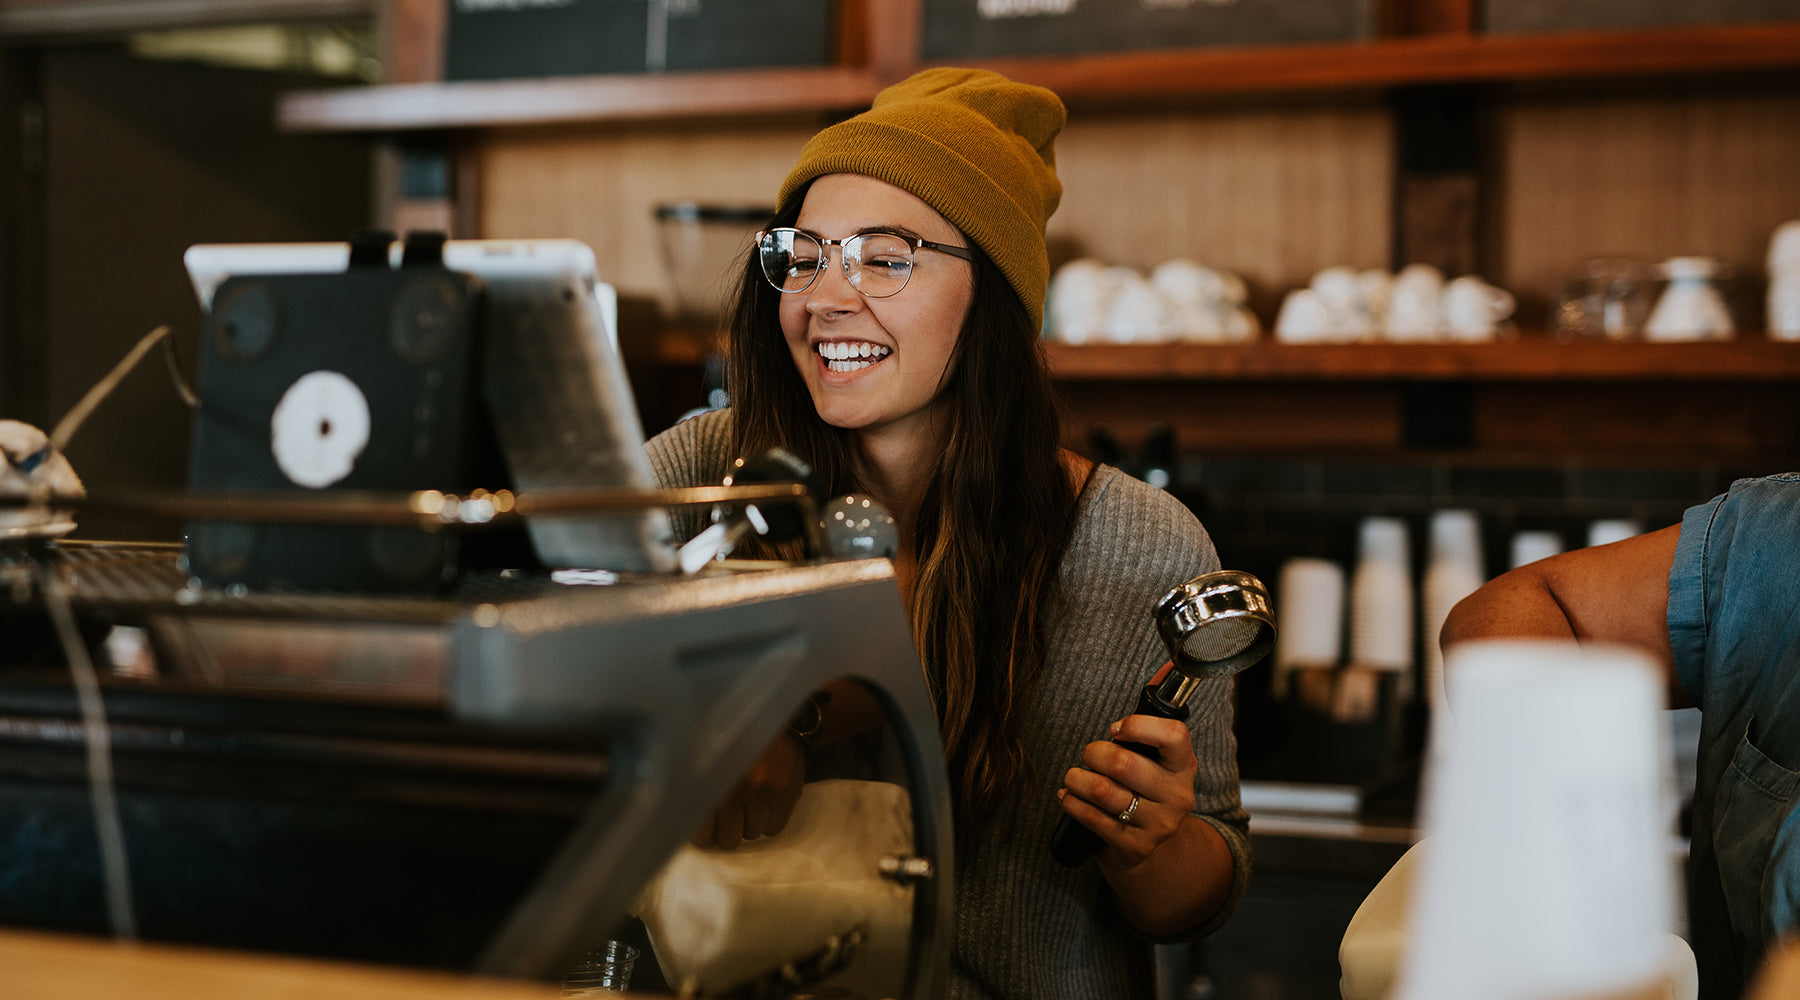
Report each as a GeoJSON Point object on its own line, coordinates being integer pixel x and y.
{"type": "Point", "coordinates": [973, 145]}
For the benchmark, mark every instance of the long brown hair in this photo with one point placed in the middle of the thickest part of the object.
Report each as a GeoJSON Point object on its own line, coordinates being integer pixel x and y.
{"type": "Point", "coordinates": [992, 527]}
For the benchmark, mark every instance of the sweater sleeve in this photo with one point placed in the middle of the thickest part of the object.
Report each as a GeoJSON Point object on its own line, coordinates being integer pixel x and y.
{"type": "Point", "coordinates": [1135, 544]}
{"type": "Point", "coordinates": [694, 452]}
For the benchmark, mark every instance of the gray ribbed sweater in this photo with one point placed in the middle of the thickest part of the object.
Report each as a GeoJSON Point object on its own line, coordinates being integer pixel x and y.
{"type": "Point", "coordinates": [1026, 927]}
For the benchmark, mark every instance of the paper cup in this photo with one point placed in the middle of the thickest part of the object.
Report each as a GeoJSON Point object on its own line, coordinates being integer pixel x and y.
{"type": "Point", "coordinates": [1381, 598]}
{"type": "Point", "coordinates": [1309, 614]}
{"type": "Point", "coordinates": [1549, 808]}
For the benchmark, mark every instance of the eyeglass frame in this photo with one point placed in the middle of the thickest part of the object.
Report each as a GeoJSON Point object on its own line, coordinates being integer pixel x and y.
{"type": "Point", "coordinates": [914, 245]}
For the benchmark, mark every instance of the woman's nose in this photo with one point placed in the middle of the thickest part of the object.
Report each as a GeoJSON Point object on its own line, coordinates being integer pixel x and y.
{"type": "Point", "coordinates": [833, 292]}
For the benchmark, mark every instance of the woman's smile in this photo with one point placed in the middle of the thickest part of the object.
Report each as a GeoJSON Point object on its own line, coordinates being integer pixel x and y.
{"type": "Point", "coordinates": [845, 356]}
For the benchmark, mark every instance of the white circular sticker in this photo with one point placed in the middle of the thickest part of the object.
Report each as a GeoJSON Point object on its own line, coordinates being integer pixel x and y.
{"type": "Point", "coordinates": [319, 428]}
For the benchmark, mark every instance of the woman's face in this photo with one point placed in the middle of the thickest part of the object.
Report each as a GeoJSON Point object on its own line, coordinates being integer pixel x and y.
{"type": "Point", "coordinates": [876, 364]}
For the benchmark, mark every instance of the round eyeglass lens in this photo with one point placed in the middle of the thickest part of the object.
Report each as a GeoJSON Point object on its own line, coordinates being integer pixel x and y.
{"type": "Point", "coordinates": [879, 263]}
{"type": "Point", "coordinates": [790, 259]}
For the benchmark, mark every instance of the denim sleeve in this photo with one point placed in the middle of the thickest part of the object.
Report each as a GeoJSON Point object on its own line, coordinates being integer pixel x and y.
{"type": "Point", "coordinates": [1687, 598]}
{"type": "Point", "coordinates": [1735, 564]}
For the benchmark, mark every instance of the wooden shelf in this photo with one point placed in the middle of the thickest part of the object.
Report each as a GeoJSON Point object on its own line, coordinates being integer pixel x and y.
{"type": "Point", "coordinates": [621, 98]}
{"type": "Point", "coordinates": [1424, 59]}
{"type": "Point", "coordinates": [1536, 359]}
{"type": "Point", "coordinates": [1440, 58]}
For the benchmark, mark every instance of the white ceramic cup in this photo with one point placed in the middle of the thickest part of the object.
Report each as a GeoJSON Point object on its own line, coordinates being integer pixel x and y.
{"type": "Point", "coordinates": [1414, 307]}
{"type": "Point", "coordinates": [1784, 303]}
{"type": "Point", "coordinates": [1473, 309]}
{"type": "Point", "coordinates": [1138, 313]}
{"type": "Point", "coordinates": [1079, 295]}
{"type": "Point", "coordinates": [1183, 280]}
{"type": "Point", "coordinates": [1690, 308]}
{"type": "Point", "coordinates": [1784, 247]}
{"type": "Point", "coordinates": [1303, 318]}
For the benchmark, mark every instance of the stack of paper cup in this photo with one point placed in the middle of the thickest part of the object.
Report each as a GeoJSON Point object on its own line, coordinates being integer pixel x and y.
{"type": "Point", "coordinates": [1381, 598]}
{"type": "Point", "coordinates": [1309, 618]}
{"type": "Point", "coordinates": [1530, 546]}
{"type": "Point", "coordinates": [1549, 808]}
{"type": "Point", "coordinates": [1612, 529]}
{"type": "Point", "coordinates": [1454, 571]}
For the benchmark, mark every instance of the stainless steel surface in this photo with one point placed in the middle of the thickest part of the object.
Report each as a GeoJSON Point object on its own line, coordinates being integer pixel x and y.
{"type": "Point", "coordinates": [418, 509]}
{"type": "Point", "coordinates": [1216, 624]}
{"type": "Point", "coordinates": [563, 412]}
{"type": "Point", "coordinates": [680, 679]}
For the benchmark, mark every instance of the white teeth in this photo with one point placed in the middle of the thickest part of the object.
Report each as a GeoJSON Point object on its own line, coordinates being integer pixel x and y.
{"type": "Point", "coordinates": [845, 351]}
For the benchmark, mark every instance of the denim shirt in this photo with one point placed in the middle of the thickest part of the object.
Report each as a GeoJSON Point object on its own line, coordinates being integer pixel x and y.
{"type": "Point", "coordinates": [1734, 623]}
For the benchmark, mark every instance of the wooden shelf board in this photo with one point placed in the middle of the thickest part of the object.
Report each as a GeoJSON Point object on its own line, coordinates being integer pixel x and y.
{"type": "Point", "coordinates": [1442, 58]}
{"type": "Point", "coordinates": [1446, 58]}
{"type": "Point", "coordinates": [623, 97]}
{"type": "Point", "coordinates": [1526, 359]}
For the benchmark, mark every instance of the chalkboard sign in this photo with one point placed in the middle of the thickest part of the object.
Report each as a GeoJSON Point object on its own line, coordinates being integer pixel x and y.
{"type": "Point", "coordinates": [1502, 16]}
{"type": "Point", "coordinates": [501, 39]}
{"type": "Point", "coordinates": [956, 29]}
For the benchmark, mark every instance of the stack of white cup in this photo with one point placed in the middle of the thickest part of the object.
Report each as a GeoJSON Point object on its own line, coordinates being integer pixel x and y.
{"type": "Point", "coordinates": [1309, 618]}
{"type": "Point", "coordinates": [1454, 571]}
{"type": "Point", "coordinates": [1381, 598]}
{"type": "Point", "coordinates": [1607, 530]}
{"type": "Point", "coordinates": [1530, 546]}
{"type": "Point", "coordinates": [1582, 903]}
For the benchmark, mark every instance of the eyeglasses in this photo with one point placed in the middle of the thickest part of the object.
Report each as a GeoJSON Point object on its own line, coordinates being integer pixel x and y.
{"type": "Point", "coordinates": [877, 264]}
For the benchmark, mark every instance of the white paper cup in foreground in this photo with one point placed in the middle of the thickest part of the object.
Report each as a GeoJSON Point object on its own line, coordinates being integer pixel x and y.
{"type": "Point", "coordinates": [1549, 806]}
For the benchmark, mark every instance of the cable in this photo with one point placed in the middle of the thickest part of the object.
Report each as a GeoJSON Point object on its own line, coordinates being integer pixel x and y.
{"type": "Point", "coordinates": [115, 867]}
{"type": "Point", "coordinates": [174, 365]}
{"type": "Point", "coordinates": [71, 421]}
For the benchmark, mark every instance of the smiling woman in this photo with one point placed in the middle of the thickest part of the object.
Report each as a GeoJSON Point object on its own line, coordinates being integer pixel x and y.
{"type": "Point", "coordinates": [894, 402]}
{"type": "Point", "coordinates": [910, 368]}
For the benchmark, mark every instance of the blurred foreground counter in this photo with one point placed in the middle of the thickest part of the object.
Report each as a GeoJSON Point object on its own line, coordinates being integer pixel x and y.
{"type": "Point", "coordinates": [479, 781]}
{"type": "Point", "coordinates": [43, 966]}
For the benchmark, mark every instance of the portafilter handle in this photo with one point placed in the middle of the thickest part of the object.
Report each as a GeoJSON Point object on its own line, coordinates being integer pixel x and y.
{"type": "Point", "coordinates": [1214, 625]}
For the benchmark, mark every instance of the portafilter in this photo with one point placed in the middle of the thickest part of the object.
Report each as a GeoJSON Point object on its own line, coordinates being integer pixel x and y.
{"type": "Point", "coordinates": [1214, 625]}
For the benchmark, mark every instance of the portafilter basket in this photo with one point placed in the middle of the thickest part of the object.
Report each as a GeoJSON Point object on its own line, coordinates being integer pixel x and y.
{"type": "Point", "coordinates": [1214, 625]}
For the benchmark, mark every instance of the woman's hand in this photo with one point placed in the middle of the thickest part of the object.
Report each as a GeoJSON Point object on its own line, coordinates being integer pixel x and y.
{"type": "Point", "coordinates": [1113, 777]}
{"type": "Point", "coordinates": [763, 799]}
{"type": "Point", "coordinates": [1102, 791]}
{"type": "Point", "coordinates": [1170, 870]}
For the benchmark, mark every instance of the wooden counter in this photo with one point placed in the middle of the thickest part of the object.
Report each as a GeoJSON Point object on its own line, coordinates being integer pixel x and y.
{"type": "Point", "coordinates": [39, 966]}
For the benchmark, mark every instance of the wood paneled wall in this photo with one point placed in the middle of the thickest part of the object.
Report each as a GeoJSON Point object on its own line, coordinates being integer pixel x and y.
{"type": "Point", "coordinates": [1272, 195]}
{"type": "Point", "coordinates": [602, 185]}
{"type": "Point", "coordinates": [1647, 177]}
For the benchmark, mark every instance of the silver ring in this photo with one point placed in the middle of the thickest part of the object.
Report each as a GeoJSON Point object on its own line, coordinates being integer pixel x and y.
{"type": "Point", "coordinates": [1130, 811]}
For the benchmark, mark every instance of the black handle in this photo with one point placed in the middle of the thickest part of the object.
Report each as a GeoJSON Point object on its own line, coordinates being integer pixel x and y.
{"type": "Point", "coordinates": [1072, 844]}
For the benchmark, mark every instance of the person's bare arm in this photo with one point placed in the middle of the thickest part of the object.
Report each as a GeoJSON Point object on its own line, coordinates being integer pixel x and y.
{"type": "Point", "coordinates": [1616, 593]}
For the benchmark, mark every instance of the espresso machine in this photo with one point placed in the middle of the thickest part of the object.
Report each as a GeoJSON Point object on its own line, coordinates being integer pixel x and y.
{"type": "Point", "coordinates": [478, 761]}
